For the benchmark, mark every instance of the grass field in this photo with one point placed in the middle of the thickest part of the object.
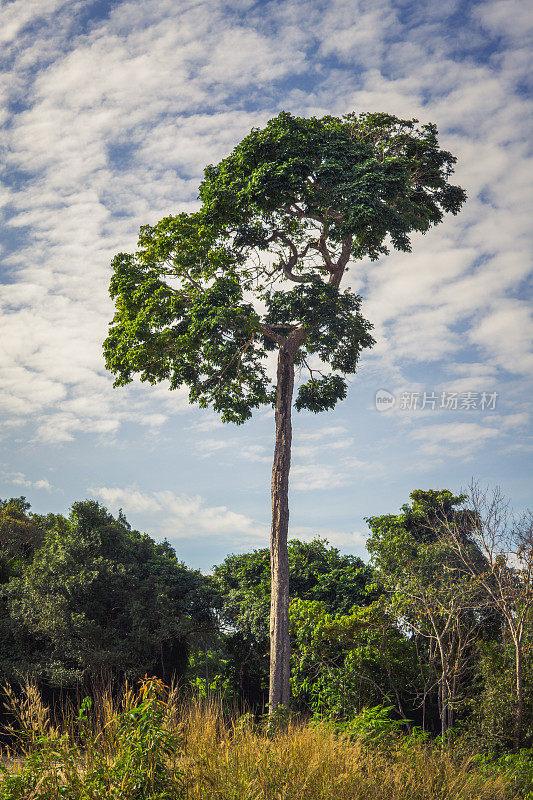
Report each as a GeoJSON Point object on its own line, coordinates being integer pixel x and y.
{"type": "Point", "coordinates": [151, 745]}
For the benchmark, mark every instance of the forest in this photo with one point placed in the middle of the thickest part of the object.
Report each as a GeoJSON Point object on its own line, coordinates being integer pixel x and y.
{"type": "Point", "coordinates": [430, 641]}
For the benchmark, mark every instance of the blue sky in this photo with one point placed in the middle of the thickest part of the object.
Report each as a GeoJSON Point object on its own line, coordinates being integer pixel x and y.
{"type": "Point", "coordinates": [110, 110]}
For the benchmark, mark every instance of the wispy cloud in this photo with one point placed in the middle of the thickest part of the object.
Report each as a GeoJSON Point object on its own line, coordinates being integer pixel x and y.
{"type": "Point", "coordinates": [183, 517]}
{"type": "Point", "coordinates": [179, 517]}
{"type": "Point", "coordinates": [108, 120]}
{"type": "Point", "coordinates": [20, 479]}
{"type": "Point", "coordinates": [454, 439]}
{"type": "Point", "coordinates": [353, 540]}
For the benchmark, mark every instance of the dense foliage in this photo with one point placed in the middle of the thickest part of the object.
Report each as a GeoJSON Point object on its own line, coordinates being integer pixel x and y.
{"type": "Point", "coordinates": [241, 586]}
{"type": "Point", "coordinates": [280, 218]}
{"type": "Point", "coordinates": [84, 595]}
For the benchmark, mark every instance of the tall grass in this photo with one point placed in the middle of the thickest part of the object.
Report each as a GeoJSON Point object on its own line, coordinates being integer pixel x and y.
{"type": "Point", "coordinates": [151, 745]}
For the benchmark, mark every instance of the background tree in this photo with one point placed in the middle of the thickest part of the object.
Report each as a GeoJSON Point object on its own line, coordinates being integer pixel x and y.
{"type": "Point", "coordinates": [505, 573]}
{"type": "Point", "coordinates": [281, 217]}
{"type": "Point", "coordinates": [98, 597]}
{"type": "Point", "coordinates": [430, 591]}
{"type": "Point", "coordinates": [493, 701]}
{"type": "Point", "coordinates": [342, 662]}
{"type": "Point", "coordinates": [21, 534]}
{"type": "Point", "coordinates": [241, 588]}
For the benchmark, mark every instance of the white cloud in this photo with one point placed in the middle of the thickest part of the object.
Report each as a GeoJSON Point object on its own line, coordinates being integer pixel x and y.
{"type": "Point", "coordinates": [20, 479]}
{"type": "Point", "coordinates": [207, 423]}
{"type": "Point", "coordinates": [508, 333]}
{"type": "Point", "coordinates": [183, 517]}
{"type": "Point", "coordinates": [43, 483]}
{"type": "Point", "coordinates": [353, 540]}
{"type": "Point", "coordinates": [311, 445]}
{"type": "Point", "coordinates": [207, 447]}
{"type": "Point", "coordinates": [17, 15]}
{"type": "Point", "coordinates": [133, 499]}
{"type": "Point", "coordinates": [178, 517]}
{"type": "Point", "coordinates": [320, 476]}
{"type": "Point", "coordinates": [112, 128]}
{"type": "Point", "coordinates": [259, 453]}
{"type": "Point", "coordinates": [454, 439]}
{"type": "Point", "coordinates": [312, 477]}
{"type": "Point", "coordinates": [512, 19]}
{"type": "Point", "coordinates": [327, 432]}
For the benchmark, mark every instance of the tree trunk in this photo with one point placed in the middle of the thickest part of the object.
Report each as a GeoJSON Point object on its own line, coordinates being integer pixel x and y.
{"type": "Point", "coordinates": [519, 697]}
{"type": "Point", "coordinates": [444, 707]}
{"type": "Point", "coordinates": [279, 559]}
{"type": "Point", "coordinates": [444, 700]}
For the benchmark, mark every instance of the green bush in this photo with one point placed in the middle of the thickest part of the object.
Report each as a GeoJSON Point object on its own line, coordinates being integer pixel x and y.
{"type": "Point", "coordinates": [518, 767]}
{"type": "Point", "coordinates": [140, 764]}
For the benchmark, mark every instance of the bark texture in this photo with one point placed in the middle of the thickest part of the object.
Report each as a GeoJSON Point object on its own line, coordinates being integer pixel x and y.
{"type": "Point", "coordinates": [279, 692]}
{"type": "Point", "coordinates": [519, 698]}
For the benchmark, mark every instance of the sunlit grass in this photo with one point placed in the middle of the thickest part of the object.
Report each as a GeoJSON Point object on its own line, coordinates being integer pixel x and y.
{"type": "Point", "coordinates": [152, 745]}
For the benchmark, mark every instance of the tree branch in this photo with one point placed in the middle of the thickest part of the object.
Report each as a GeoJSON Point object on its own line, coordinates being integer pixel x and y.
{"type": "Point", "coordinates": [340, 266]}
{"type": "Point", "coordinates": [293, 260]}
{"type": "Point", "coordinates": [267, 331]}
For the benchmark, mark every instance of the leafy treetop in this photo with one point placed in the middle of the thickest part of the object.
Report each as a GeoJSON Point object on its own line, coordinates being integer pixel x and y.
{"type": "Point", "coordinates": [317, 572]}
{"type": "Point", "coordinates": [98, 595]}
{"type": "Point", "coordinates": [208, 294]}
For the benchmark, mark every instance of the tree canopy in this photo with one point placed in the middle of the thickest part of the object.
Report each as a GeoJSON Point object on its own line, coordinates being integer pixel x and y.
{"type": "Point", "coordinates": [242, 583]}
{"type": "Point", "coordinates": [205, 296]}
{"type": "Point", "coordinates": [98, 596]}
{"type": "Point", "coordinates": [317, 572]}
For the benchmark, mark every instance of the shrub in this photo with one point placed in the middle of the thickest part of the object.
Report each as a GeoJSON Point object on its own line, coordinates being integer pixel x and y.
{"type": "Point", "coordinates": [136, 762]}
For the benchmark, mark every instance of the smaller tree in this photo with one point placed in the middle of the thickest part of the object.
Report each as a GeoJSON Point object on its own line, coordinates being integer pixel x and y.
{"type": "Point", "coordinates": [504, 574]}
{"type": "Point", "coordinates": [99, 596]}
{"type": "Point", "coordinates": [241, 585]}
{"type": "Point", "coordinates": [430, 591]}
{"type": "Point", "coordinates": [21, 533]}
{"type": "Point", "coordinates": [493, 705]}
{"type": "Point", "coordinates": [343, 662]}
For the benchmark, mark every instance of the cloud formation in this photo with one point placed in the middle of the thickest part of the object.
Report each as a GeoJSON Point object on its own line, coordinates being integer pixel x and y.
{"type": "Point", "coordinates": [20, 479]}
{"type": "Point", "coordinates": [109, 117]}
{"type": "Point", "coordinates": [181, 517]}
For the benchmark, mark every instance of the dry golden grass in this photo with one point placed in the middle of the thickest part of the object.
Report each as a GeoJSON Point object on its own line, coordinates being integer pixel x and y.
{"type": "Point", "coordinates": [235, 761]}
{"type": "Point", "coordinates": [218, 756]}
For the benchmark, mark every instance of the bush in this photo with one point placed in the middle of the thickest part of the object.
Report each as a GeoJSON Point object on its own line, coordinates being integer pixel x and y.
{"type": "Point", "coordinates": [375, 725]}
{"type": "Point", "coordinates": [136, 762]}
{"type": "Point", "coordinates": [517, 768]}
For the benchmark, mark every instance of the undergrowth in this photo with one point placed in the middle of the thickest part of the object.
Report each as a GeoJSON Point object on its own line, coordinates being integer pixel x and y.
{"type": "Point", "coordinates": [147, 744]}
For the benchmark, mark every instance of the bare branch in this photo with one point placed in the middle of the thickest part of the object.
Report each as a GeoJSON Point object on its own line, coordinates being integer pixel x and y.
{"type": "Point", "coordinates": [293, 261]}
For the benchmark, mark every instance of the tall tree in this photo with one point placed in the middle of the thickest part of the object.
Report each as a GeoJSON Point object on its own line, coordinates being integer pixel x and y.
{"type": "Point", "coordinates": [207, 295]}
